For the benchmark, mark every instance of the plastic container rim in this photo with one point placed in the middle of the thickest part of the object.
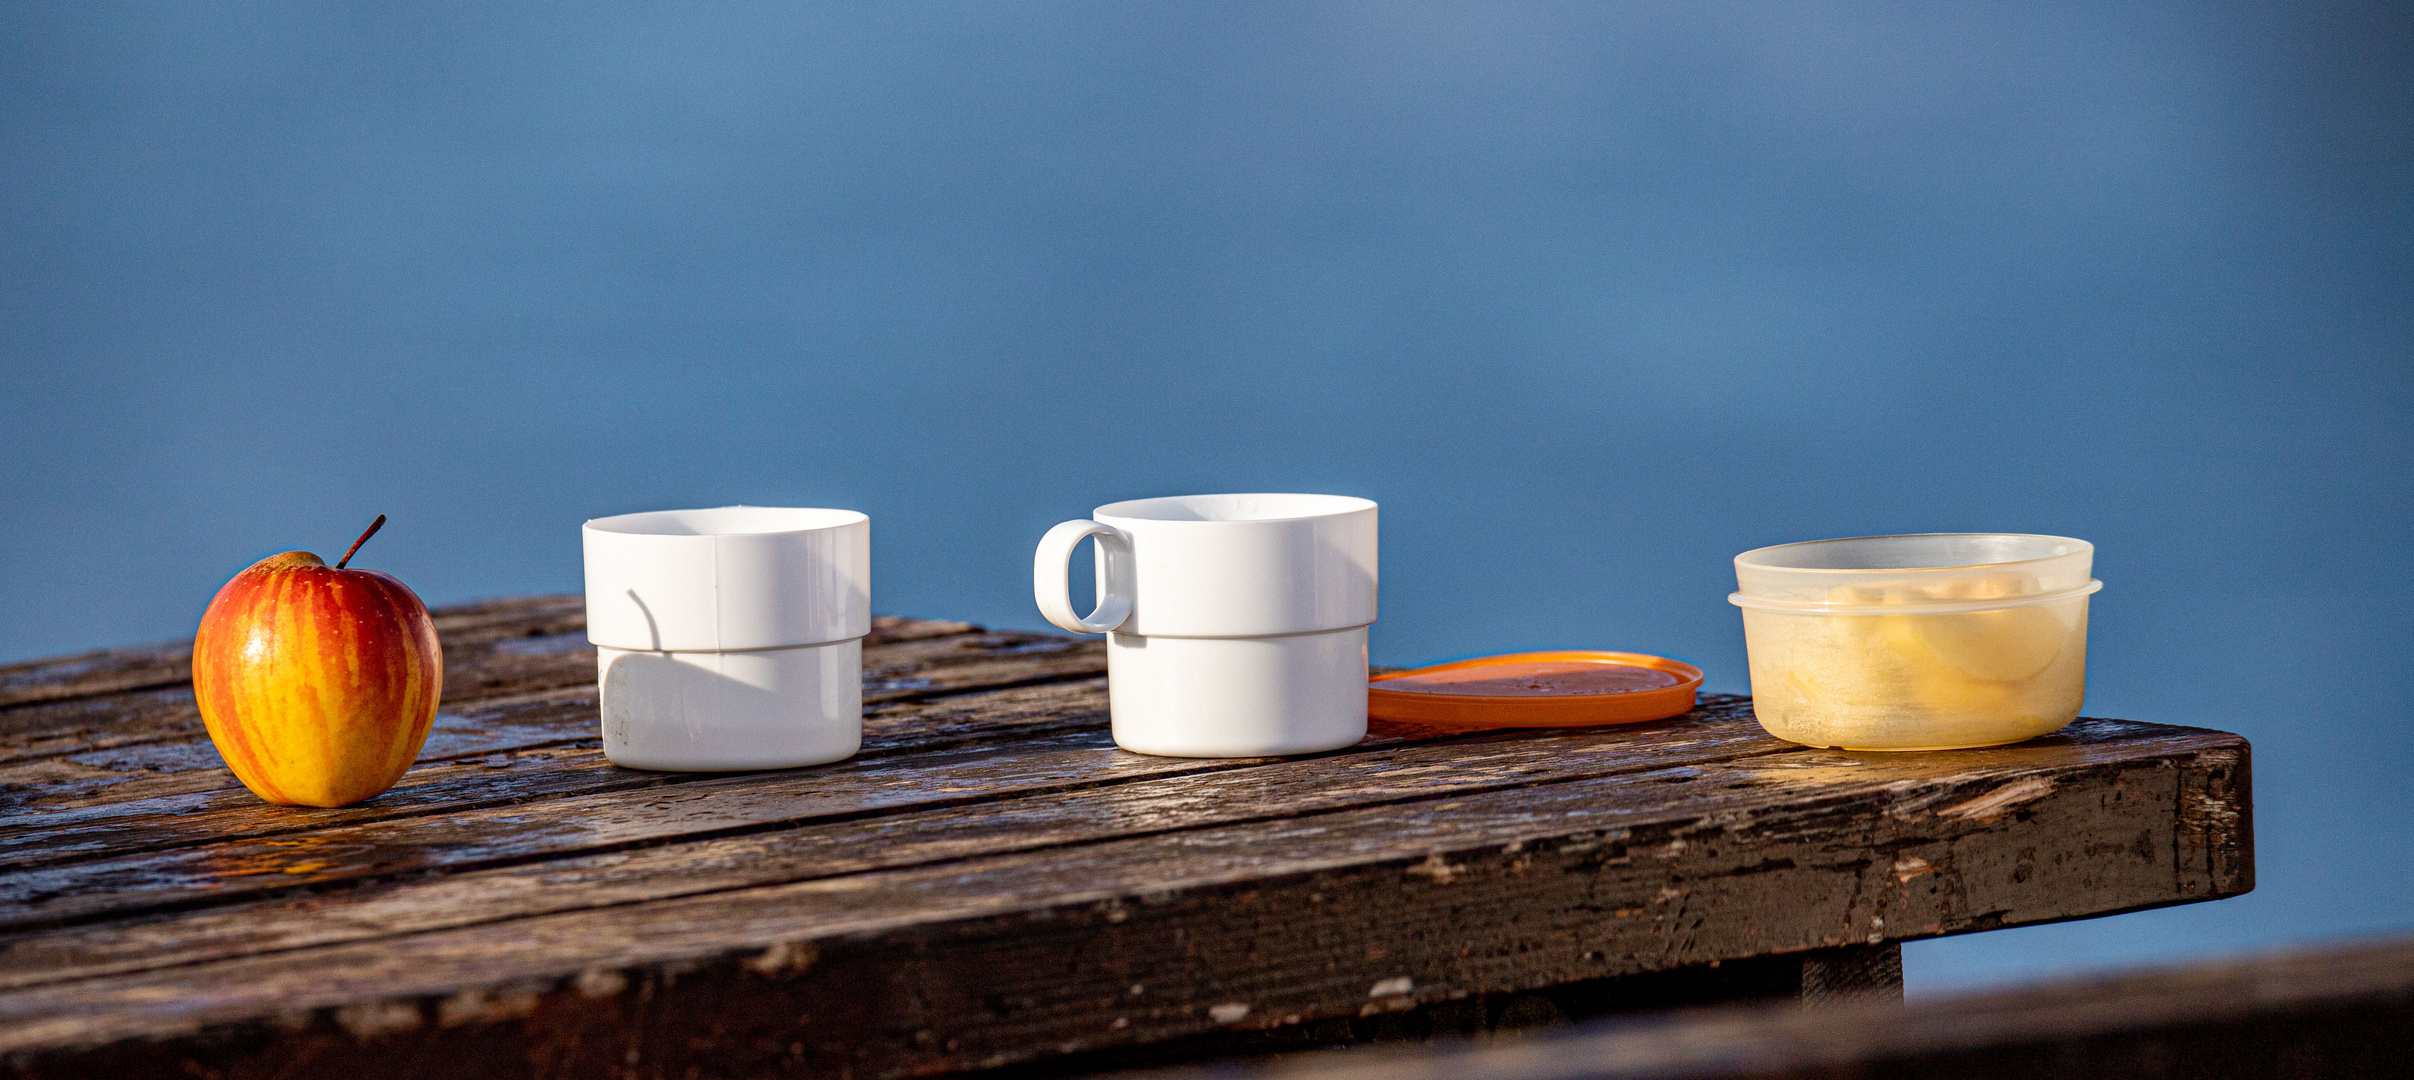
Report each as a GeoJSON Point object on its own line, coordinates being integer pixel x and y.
{"type": "Point", "coordinates": [1747, 558]}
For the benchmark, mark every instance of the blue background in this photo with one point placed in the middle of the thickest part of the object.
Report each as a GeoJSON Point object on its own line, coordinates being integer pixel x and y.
{"type": "Point", "coordinates": [1591, 297]}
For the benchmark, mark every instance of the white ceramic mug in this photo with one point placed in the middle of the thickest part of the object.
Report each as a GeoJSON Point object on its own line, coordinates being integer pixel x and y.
{"type": "Point", "coordinates": [1236, 624]}
{"type": "Point", "coordinates": [730, 638]}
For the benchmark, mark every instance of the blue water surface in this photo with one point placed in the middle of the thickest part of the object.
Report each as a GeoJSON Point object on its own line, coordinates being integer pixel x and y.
{"type": "Point", "coordinates": [1590, 296]}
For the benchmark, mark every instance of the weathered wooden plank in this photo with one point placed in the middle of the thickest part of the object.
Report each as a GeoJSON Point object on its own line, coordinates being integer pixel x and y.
{"type": "Point", "coordinates": [490, 655]}
{"type": "Point", "coordinates": [81, 724]}
{"type": "Point", "coordinates": [423, 843]}
{"type": "Point", "coordinates": [540, 670]}
{"type": "Point", "coordinates": [41, 796]}
{"type": "Point", "coordinates": [315, 850]}
{"type": "Point", "coordinates": [996, 658]}
{"type": "Point", "coordinates": [176, 821]}
{"type": "Point", "coordinates": [547, 744]}
{"type": "Point", "coordinates": [1125, 795]}
{"type": "Point", "coordinates": [484, 661]}
{"type": "Point", "coordinates": [1015, 712]}
{"type": "Point", "coordinates": [1010, 957]}
{"type": "Point", "coordinates": [2332, 1012]}
{"type": "Point", "coordinates": [49, 794]}
{"type": "Point", "coordinates": [103, 671]}
{"type": "Point", "coordinates": [169, 663]}
{"type": "Point", "coordinates": [475, 759]}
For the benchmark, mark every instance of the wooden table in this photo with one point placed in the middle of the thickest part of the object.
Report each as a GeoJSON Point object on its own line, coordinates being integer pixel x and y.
{"type": "Point", "coordinates": [991, 882]}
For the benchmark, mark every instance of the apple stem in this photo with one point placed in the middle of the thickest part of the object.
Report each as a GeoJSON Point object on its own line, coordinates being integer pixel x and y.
{"type": "Point", "coordinates": [364, 538]}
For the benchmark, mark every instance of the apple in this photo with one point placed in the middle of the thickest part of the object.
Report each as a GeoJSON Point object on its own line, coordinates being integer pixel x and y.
{"type": "Point", "coordinates": [318, 684]}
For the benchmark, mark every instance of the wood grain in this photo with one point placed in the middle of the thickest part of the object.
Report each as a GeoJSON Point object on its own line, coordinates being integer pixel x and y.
{"type": "Point", "coordinates": [929, 808]}
{"type": "Point", "coordinates": [490, 650]}
{"type": "Point", "coordinates": [698, 806]}
{"type": "Point", "coordinates": [991, 882]}
{"type": "Point", "coordinates": [166, 664]}
{"type": "Point", "coordinates": [493, 651]}
{"type": "Point", "coordinates": [480, 758]}
{"type": "Point", "coordinates": [1263, 923]}
{"type": "Point", "coordinates": [113, 671]}
{"type": "Point", "coordinates": [144, 793]}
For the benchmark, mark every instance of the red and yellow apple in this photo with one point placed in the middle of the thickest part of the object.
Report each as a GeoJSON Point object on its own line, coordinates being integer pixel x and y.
{"type": "Point", "coordinates": [318, 683]}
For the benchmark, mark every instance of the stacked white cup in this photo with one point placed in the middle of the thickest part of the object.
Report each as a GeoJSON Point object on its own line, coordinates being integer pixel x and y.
{"type": "Point", "coordinates": [1236, 624]}
{"type": "Point", "coordinates": [730, 638]}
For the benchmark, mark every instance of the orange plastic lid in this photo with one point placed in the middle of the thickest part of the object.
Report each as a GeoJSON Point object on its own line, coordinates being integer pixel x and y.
{"type": "Point", "coordinates": [1570, 688]}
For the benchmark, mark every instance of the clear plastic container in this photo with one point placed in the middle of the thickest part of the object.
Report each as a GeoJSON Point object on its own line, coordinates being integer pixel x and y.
{"type": "Point", "coordinates": [1936, 641]}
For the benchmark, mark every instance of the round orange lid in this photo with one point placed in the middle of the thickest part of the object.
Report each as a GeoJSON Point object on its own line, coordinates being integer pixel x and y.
{"type": "Point", "coordinates": [1568, 688]}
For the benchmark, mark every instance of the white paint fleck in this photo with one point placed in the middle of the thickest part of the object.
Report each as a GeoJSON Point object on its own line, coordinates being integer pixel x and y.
{"type": "Point", "coordinates": [601, 982]}
{"type": "Point", "coordinates": [480, 1006]}
{"type": "Point", "coordinates": [373, 1018]}
{"type": "Point", "coordinates": [785, 957]}
{"type": "Point", "coordinates": [1397, 985]}
{"type": "Point", "coordinates": [1229, 1012]}
{"type": "Point", "coordinates": [1992, 805]}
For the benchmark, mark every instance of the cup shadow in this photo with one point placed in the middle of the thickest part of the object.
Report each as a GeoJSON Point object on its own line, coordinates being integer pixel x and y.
{"type": "Point", "coordinates": [725, 711]}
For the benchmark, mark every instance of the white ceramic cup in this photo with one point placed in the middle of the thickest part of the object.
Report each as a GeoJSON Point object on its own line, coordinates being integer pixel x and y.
{"type": "Point", "coordinates": [730, 638]}
{"type": "Point", "coordinates": [1235, 624]}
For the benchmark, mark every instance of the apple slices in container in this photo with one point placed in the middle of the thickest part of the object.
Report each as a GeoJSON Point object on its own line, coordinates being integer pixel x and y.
{"type": "Point", "coordinates": [1924, 642]}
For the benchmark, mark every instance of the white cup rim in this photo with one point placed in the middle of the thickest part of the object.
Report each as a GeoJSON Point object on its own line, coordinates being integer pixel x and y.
{"type": "Point", "coordinates": [1275, 507]}
{"type": "Point", "coordinates": [728, 521]}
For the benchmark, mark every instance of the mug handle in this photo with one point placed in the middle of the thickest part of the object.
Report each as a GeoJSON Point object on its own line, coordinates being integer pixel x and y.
{"type": "Point", "coordinates": [1052, 587]}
